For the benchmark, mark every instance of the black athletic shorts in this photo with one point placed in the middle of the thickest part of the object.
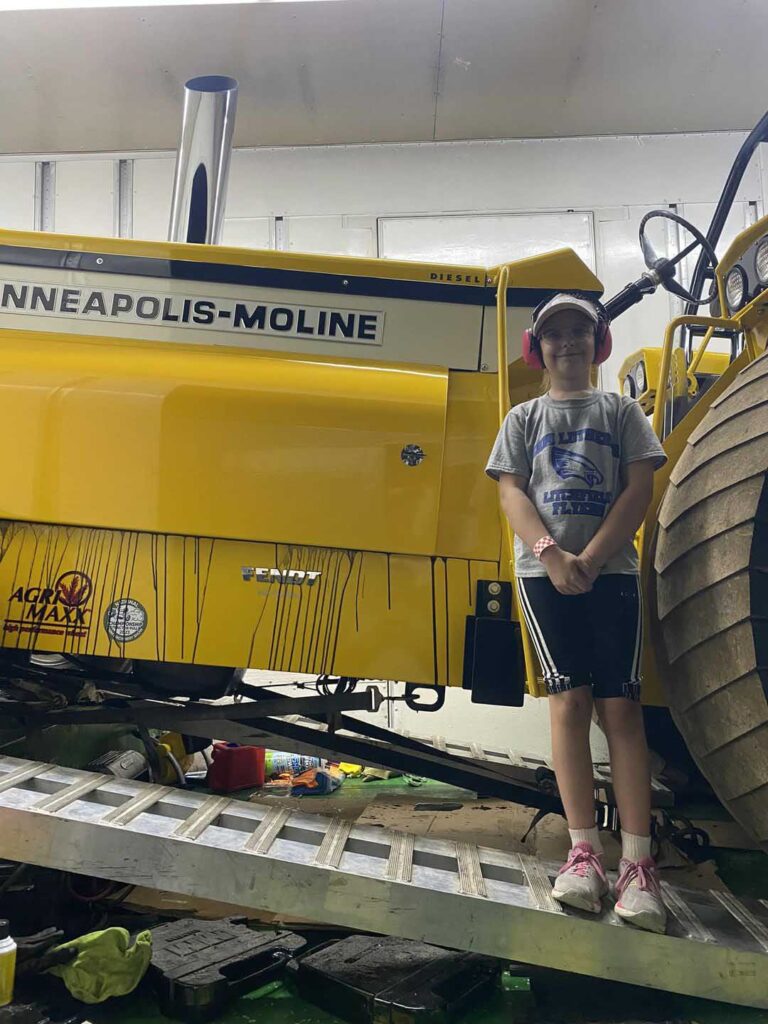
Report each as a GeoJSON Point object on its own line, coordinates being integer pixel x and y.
{"type": "Point", "coordinates": [592, 639]}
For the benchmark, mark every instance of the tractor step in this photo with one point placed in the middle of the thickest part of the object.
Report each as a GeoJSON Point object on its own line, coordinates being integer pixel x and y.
{"type": "Point", "coordinates": [337, 872]}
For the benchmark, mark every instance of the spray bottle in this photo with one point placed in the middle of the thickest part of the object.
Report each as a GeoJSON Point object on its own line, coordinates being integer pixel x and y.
{"type": "Point", "coordinates": [7, 964]}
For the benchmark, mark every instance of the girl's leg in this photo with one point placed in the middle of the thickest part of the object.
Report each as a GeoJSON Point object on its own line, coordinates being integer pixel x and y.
{"type": "Point", "coordinates": [618, 616]}
{"type": "Point", "coordinates": [622, 722]}
{"type": "Point", "coordinates": [570, 716]}
{"type": "Point", "coordinates": [581, 882]}
{"type": "Point", "coordinates": [558, 627]}
{"type": "Point", "coordinates": [616, 685]}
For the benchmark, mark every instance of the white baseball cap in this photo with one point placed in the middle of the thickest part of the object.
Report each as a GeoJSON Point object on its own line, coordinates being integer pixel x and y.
{"type": "Point", "coordinates": [561, 302]}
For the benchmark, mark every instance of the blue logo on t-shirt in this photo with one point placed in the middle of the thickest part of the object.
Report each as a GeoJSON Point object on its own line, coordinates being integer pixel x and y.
{"type": "Point", "coordinates": [571, 465]}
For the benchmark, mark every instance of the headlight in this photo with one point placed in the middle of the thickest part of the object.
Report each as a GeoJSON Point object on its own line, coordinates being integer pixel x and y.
{"type": "Point", "coordinates": [761, 262]}
{"type": "Point", "coordinates": [629, 388]}
{"type": "Point", "coordinates": [735, 289]}
{"type": "Point", "coordinates": [642, 380]}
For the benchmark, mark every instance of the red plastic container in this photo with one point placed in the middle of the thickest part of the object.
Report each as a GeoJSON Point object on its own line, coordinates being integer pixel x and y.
{"type": "Point", "coordinates": [235, 767]}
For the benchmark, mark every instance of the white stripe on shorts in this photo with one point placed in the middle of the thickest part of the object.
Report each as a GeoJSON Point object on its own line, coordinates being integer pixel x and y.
{"type": "Point", "coordinates": [547, 663]}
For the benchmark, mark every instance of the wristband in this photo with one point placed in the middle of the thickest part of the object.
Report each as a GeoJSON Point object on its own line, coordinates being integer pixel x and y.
{"type": "Point", "coordinates": [542, 544]}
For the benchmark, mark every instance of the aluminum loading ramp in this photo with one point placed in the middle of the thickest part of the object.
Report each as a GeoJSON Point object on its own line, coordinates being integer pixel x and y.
{"type": "Point", "coordinates": [337, 872]}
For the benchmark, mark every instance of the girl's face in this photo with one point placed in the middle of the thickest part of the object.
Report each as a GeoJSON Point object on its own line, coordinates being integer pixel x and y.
{"type": "Point", "coordinates": [567, 342]}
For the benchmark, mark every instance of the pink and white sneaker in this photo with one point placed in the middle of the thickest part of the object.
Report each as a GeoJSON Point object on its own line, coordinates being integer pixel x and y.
{"type": "Point", "coordinates": [638, 895]}
{"type": "Point", "coordinates": [581, 882]}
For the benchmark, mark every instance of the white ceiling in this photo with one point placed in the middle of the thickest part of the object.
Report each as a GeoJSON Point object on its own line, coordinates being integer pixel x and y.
{"type": "Point", "coordinates": [349, 71]}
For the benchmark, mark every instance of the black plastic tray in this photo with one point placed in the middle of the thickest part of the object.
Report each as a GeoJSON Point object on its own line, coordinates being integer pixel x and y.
{"type": "Point", "coordinates": [369, 980]}
{"type": "Point", "coordinates": [198, 967]}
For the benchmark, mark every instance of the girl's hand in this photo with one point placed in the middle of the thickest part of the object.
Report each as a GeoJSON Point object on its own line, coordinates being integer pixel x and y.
{"type": "Point", "coordinates": [566, 572]}
{"type": "Point", "coordinates": [589, 566]}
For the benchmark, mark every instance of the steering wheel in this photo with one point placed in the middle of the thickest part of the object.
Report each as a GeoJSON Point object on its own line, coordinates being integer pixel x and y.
{"type": "Point", "coordinates": [665, 268]}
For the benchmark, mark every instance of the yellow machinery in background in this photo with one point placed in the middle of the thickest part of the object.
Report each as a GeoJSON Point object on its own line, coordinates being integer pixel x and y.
{"type": "Point", "coordinates": [218, 459]}
{"type": "Point", "coordinates": [639, 375]}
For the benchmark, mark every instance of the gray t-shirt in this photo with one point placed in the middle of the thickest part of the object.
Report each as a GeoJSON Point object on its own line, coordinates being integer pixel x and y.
{"type": "Point", "coordinates": [572, 451]}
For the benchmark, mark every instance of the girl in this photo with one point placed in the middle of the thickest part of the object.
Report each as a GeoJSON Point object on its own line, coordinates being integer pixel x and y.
{"type": "Point", "coordinates": [575, 471]}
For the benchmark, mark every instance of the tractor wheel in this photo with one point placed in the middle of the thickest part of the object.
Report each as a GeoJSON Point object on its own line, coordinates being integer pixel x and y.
{"type": "Point", "coordinates": [710, 597]}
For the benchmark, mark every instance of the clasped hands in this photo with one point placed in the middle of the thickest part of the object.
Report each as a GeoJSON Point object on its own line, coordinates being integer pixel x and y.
{"type": "Point", "coordinates": [570, 574]}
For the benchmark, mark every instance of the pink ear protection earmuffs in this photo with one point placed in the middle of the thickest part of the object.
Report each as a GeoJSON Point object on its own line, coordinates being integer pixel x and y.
{"type": "Point", "coordinates": [603, 339]}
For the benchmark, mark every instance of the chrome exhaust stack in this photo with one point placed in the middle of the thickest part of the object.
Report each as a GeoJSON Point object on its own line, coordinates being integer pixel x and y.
{"type": "Point", "coordinates": [202, 164]}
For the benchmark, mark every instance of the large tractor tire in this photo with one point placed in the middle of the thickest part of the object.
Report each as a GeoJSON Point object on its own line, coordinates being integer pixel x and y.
{"type": "Point", "coordinates": [711, 597]}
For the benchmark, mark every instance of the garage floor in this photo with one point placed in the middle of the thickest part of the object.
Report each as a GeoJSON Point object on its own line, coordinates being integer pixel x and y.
{"type": "Point", "coordinates": [531, 996]}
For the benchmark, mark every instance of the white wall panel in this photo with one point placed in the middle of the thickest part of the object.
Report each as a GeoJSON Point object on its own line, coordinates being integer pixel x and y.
{"type": "Point", "coordinates": [152, 190]}
{"type": "Point", "coordinates": [248, 232]}
{"type": "Point", "coordinates": [17, 195]}
{"type": "Point", "coordinates": [474, 177]}
{"type": "Point", "coordinates": [741, 216]}
{"type": "Point", "coordinates": [345, 236]}
{"type": "Point", "coordinates": [485, 240]}
{"type": "Point", "coordinates": [85, 197]}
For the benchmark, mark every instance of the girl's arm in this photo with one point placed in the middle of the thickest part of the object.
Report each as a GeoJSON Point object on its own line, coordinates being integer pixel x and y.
{"type": "Point", "coordinates": [519, 509]}
{"type": "Point", "coordinates": [622, 522]}
{"type": "Point", "coordinates": [564, 569]}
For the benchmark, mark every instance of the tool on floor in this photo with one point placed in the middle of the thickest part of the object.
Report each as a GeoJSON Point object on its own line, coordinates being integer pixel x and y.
{"type": "Point", "coordinates": [123, 764]}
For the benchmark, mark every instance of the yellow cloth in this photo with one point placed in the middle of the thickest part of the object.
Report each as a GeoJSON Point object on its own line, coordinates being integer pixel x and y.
{"type": "Point", "coordinates": [105, 966]}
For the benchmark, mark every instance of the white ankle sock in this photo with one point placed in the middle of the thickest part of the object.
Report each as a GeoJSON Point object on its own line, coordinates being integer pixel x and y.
{"type": "Point", "coordinates": [635, 848]}
{"type": "Point", "coordinates": [586, 835]}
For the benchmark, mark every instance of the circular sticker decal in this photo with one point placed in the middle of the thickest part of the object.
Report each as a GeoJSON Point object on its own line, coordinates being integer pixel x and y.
{"type": "Point", "coordinates": [125, 620]}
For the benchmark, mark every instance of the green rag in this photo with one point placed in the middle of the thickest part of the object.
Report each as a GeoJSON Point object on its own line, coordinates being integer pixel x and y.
{"type": "Point", "coordinates": [105, 966]}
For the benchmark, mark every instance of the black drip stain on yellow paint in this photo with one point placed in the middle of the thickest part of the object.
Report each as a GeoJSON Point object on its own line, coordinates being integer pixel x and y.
{"type": "Point", "coordinates": [434, 621]}
{"type": "Point", "coordinates": [447, 626]}
{"type": "Point", "coordinates": [304, 622]}
{"type": "Point", "coordinates": [183, 592]}
{"type": "Point", "coordinates": [359, 592]}
{"type": "Point", "coordinates": [200, 607]}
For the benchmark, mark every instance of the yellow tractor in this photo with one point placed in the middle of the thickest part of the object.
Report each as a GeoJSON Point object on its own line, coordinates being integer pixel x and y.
{"type": "Point", "coordinates": [219, 459]}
